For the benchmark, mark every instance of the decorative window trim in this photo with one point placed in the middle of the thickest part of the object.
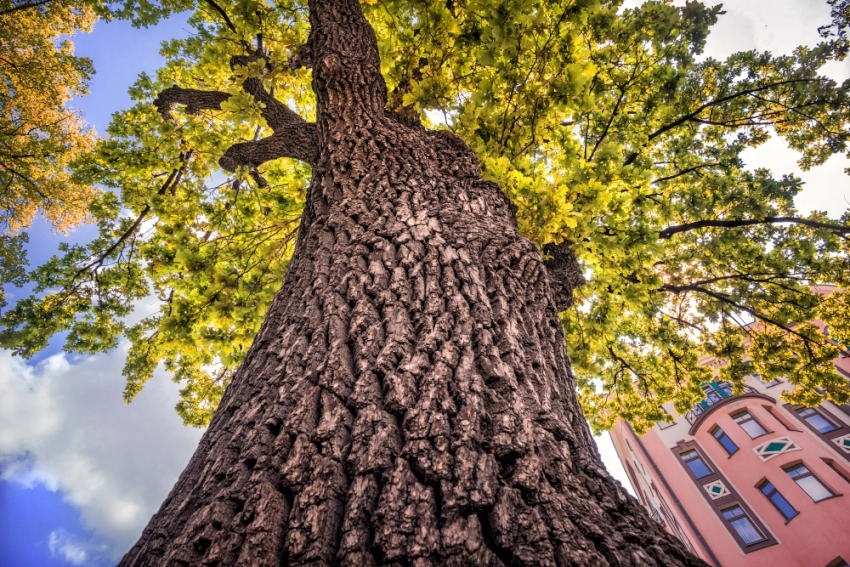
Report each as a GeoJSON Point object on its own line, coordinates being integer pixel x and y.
{"type": "Point", "coordinates": [716, 489]}
{"type": "Point", "coordinates": [767, 451]}
{"type": "Point", "coordinates": [843, 442]}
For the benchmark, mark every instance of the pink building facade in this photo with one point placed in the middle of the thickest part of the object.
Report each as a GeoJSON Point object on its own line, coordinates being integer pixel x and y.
{"type": "Point", "coordinates": [747, 480]}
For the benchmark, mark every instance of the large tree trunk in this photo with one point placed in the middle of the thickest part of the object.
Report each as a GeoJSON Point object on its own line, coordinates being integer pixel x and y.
{"type": "Point", "coordinates": [408, 400]}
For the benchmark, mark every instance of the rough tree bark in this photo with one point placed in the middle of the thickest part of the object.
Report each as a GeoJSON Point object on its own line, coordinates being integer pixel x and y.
{"type": "Point", "coordinates": [408, 400]}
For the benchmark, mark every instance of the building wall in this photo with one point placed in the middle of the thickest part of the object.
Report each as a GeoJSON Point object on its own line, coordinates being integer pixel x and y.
{"type": "Point", "coordinates": [818, 534]}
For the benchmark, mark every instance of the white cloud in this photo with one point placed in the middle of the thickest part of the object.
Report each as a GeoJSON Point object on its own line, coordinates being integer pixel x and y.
{"type": "Point", "coordinates": [63, 424]}
{"type": "Point", "coordinates": [64, 545]}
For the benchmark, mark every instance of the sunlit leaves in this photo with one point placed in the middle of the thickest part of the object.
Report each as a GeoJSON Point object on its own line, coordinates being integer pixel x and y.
{"type": "Point", "coordinates": [40, 133]}
{"type": "Point", "coordinates": [605, 128]}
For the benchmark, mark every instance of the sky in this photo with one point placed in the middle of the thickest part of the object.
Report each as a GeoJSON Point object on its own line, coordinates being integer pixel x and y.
{"type": "Point", "coordinates": [81, 472]}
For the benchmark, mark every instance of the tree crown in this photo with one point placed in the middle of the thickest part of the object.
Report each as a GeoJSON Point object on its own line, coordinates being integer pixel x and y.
{"type": "Point", "coordinates": [610, 134]}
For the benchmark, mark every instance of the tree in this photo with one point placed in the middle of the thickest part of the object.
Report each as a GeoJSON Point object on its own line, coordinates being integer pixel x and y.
{"type": "Point", "coordinates": [407, 399]}
{"type": "Point", "coordinates": [618, 147]}
{"type": "Point", "coordinates": [408, 391]}
{"type": "Point", "coordinates": [40, 136]}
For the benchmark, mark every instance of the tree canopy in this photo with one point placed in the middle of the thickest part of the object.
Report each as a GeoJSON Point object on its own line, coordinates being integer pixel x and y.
{"type": "Point", "coordinates": [616, 140]}
{"type": "Point", "coordinates": [40, 136]}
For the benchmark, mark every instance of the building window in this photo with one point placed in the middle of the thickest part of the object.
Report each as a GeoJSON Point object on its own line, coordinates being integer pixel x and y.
{"type": "Point", "coordinates": [767, 384]}
{"type": "Point", "coordinates": [809, 483]}
{"type": "Point", "coordinates": [816, 420]}
{"type": "Point", "coordinates": [695, 463]}
{"type": "Point", "coordinates": [778, 500]}
{"type": "Point", "coordinates": [749, 424]}
{"type": "Point", "coordinates": [724, 440]}
{"type": "Point", "coordinates": [742, 525]}
{"type": "Point", "coordinates": [664, 424]}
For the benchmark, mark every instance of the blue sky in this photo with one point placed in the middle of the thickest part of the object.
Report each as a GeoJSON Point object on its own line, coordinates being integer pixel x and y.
{"type": "Point", "coordinates": [80, 472]}
{"type": "Point", "coordinates": [38, 526]}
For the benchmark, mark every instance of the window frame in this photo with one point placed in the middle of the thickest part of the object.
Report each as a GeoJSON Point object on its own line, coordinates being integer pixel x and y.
{"type": "Point", "coordinates": [739, 414]}
{"type": "Point", "coordinates": [815, 411]}
{"type": "Point", "coordinates": [792, 466]}
{"type": "Point", "coordinates": [714, 433]}
{"type": "Point", "coordinates": [771, 384]}
{"type": "Point", "coordinates": [775, 491]}
{"type": "Point", "coordinates": [841, 428]}
{"type": "Point", "coordinates": [732, 530]}
{"type": "Point", "coordinates": [699, 456]}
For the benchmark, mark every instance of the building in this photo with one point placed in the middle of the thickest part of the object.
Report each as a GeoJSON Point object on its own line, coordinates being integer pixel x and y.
{"type": "Point", "coordinates": [748, 480]}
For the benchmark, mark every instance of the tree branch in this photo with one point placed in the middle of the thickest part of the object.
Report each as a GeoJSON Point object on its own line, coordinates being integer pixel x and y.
{"type": "Point", "coordinates": [223, 15]}
{"type": "Point", "coordinates": [565, 274]}
{"type": "Point", "coordinates": [195, 100]}
{"type": "Point", "coordinates": [693, 114]}
{"type": "Point", "coordinates": [671, 230]}
{"type": "Point", "coordinates": [173, 179]}
{"type": "Point", "coordinates": [299, 141]}
{"type": "Point", "coordinates": [276, 114]}
{"type": "Point", "coordinates": [293, 136]}
{"type": "Point", "coordinates": [685, 172]}
{"type": "Point", "coordinates": [731, 302]}
{"type": "Point", "coordinates": [23, 7]}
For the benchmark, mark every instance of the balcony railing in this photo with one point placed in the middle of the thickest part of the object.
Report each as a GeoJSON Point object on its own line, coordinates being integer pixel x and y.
{"type": "Point", "coordinates": [718, 393]}
{"type": "Point", "coordinates": [656, 515]}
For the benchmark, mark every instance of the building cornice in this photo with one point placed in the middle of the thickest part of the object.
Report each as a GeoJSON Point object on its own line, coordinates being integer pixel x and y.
{"type": "Point", "coordinates": [723, 402]}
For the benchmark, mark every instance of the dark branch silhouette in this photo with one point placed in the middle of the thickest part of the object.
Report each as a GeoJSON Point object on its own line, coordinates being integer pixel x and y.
{"type": "Point", "coordinates": [223, 15]}
{"type": "Point", "coordinates": [671, 230]}
{"type": "Point", "coordinates": [691, 116]}
{"type": "Point", "coordinates": [23, 7]}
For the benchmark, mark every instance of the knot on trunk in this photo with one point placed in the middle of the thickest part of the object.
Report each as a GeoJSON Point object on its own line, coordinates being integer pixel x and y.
{"type": "Point", "coordinates": [564, 273]}
{"type": "Point", "coordinates": [303, 57]}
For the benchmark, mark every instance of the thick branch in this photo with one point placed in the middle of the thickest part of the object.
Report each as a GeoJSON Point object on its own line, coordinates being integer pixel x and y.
{"type": "Point", "coordinates": [276, 114]}
{"type": "Point", "coordinates": [293, 136]}
{"type": "Point", "coordinates": [346, 66]}
{"type": "Point", "coordinates": [671, 230]}
{"type": "Point", "coordinates": [195, 100]}
{"type": "Point", "coordinates": [299, 141]}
